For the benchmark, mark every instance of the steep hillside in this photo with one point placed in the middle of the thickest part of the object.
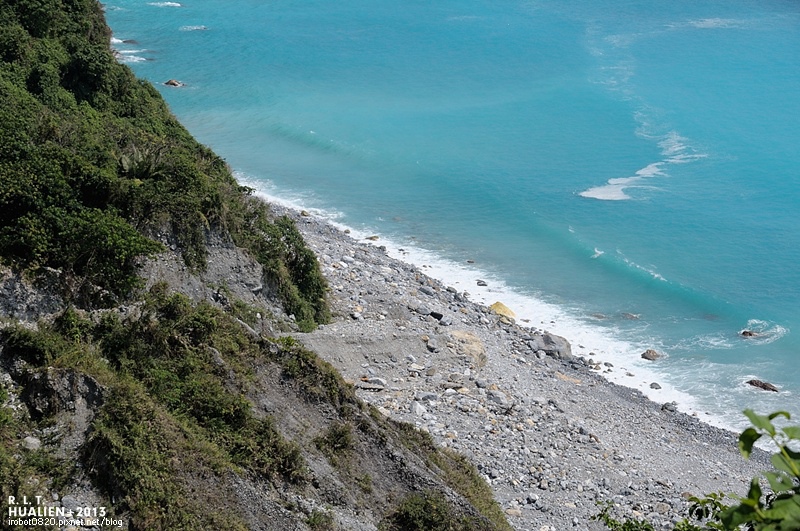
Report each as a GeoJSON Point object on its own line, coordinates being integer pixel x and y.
{"type": "Point", "coordinates": [145, 370]}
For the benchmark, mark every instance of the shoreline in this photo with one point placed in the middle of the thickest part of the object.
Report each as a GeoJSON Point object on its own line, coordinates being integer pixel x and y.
{"type": "Point", "coordinates": [547, 432]}
{"type": "Point", "coordinates": [626, 368]}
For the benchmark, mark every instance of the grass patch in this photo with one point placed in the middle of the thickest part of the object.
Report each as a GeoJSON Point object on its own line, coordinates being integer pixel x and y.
{"type": "Point", "coordinates": [430, 511]}
{"type": "Point", "coordinates": [457, 472]}
{"type": "Point", "coordinates": [167, 349]}
{"type": "Point", "coordinates": [337, 442]}
{"type": "Point", "coordinates": [139, 455]}
{"type": "Point", "coordinates": [318, 380]}
{"type": "Point", "coordinates": [320, 521]}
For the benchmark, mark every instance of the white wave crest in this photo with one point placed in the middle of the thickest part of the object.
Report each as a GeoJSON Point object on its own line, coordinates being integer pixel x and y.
{"type": "Point", "coordinates": [764, 331]}
{"type": "Point", "coordinates": [194, 28]}
{"type": "Point", "coordinates": [649, 270]}
{"type": "Point", "coordinates": [613, 191]}
{"type": "Point", "coordinates": [130, 58]}
{"type": "Point", "coordinates": [675, 149]}
{"type": "Point", "coordinates": [164, 4]}
{"type": "Point", "coordinates": [651, 170]}
{"type": "Point", "coordinates": [713, 23]}
{"type": "Point", "coordinates": [712, 341]}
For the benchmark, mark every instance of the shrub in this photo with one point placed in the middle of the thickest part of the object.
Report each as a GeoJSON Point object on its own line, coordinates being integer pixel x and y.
{"type": "Point", "coordinates": [430, 511]}
{"type": "Point", "coordinates": [778, 510]}
{"type": "Point", "coordinates": [320, 521]}
{"type": "Point", "coordinates": [336, 442]}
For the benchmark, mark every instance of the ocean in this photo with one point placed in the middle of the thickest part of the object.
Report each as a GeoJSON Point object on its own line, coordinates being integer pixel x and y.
{"type": "Point", "coordinates": [625, 174]}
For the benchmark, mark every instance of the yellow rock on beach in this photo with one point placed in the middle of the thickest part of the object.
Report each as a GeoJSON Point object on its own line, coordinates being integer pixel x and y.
{"type": "Point", "coordinates": [501, 309]}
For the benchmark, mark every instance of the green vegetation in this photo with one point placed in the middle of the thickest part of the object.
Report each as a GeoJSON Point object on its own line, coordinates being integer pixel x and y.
{"type": "Point", "coordinates": [92, 165]}
{"type": "Point", "coordinates": [25, 471]}
{"type": "Point", "coordinates": [320, 521]}
{"type": "Point", "coordinates": [292, 268]}
{"type": "Point", "coordinates": [180, 353]}
{"type": "Point", "coordinates": [317, 379]}
{"type": "Point", "coordinates": [430, 511]}
{"type": "Point", "coordinates": [139, 452]}
{"type": "Point", "coordinates": [778, 510]}
{"type": "Point", "coordinates": [171, 408]}
{"type": "Point", "coordinates": [337, 440]}
{"type": "Point", "coordinates": [456, 471]}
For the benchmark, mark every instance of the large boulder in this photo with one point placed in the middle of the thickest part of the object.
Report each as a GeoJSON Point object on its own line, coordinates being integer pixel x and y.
{"type": "Point", "coordinates": [470, 345]}
{"type": "Point", "coordinates": [501, 309]}
{"type": "Point", "coordinates": [553, 345]}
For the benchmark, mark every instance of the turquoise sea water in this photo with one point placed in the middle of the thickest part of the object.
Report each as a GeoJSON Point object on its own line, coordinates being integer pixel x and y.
{"type": "Point", "coordinates": [595, 160]}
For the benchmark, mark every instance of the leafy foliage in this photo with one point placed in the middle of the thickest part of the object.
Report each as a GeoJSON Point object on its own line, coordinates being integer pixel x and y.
{"type": "Point", "coordinates": [616, 525]}
{"type": "Point", "coordinates": [178, 351]}
{"type": "Point", "coordinates": [430, 511]}
{"type": "Point", "coordinates": [92, 163]}
{"type": "Point", "coordinates": [292, 268]}
{"type": "Point", "coordinates": [457, 471]}
{"type": "Point", "coordinates": [337, 441]}
{"type": "Point", "coordinates": [778, 510]}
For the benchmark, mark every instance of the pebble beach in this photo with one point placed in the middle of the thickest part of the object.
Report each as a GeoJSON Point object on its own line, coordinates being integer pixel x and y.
{"type": "Point", "coordinates": [550, 435]}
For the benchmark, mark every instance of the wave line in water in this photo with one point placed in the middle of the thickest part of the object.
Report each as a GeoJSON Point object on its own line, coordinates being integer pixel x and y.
{"type": "Point", "coordinates": [674, 148]}
{"type": "Point", "coordinates": [614, 189]}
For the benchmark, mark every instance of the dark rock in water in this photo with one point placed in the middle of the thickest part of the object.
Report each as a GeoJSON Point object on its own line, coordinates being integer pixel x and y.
{"type": "Point", "coordinates": [670, 406]}
{"type": "Point", "coordinates": [748, 333]}
{"type": "Point", "coordinates": [630, 316]}
{"type": "Point", "coordinates": [655, 385]}
{"type": "Point", "coordinates": [482, 283]}
{"type": "Point", "coordinates": [650, 355]}
{"type": "Point", "coordinates": [766, 386]}
{"type": "Point", "coordinates": [173, 83]}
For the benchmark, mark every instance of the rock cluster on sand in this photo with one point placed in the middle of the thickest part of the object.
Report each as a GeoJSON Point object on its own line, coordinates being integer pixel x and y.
{"type": "Point", "coordinates": [548, 434]}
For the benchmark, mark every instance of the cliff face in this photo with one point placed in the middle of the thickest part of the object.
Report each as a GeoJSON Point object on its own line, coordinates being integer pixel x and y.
{"type": "Point", "coordinates": [143, 292]}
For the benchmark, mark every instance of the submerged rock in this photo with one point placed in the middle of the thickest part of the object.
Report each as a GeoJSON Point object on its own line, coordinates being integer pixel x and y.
{"type": "Point", "coordinates": [650, 355]}
{"type": "Point", "coordinates": [766, 386]}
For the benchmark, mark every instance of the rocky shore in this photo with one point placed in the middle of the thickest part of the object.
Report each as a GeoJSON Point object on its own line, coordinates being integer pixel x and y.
{"type": "Point", "coordinates": [551, 436]}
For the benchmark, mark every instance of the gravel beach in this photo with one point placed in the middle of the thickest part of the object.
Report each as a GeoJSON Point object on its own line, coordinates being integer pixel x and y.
{"type": "Point", "coordinates": [548, 433]}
